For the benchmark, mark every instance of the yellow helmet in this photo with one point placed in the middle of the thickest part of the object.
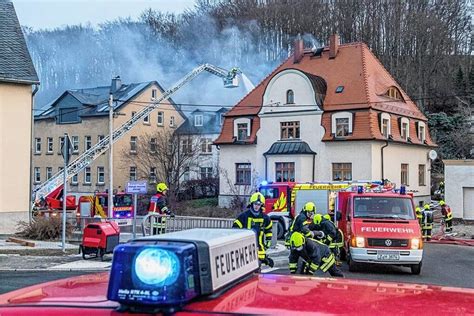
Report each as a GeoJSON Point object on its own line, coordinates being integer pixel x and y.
{"type": "Point", "coordinates": [327, 216]}
{"type": "Point", "coordinates": [309, 207]}
{"type": "Point", "coordinates": [426, 206]}
{"type": "Point", "coordinates": [297, 240]}
{"type": "Point", "coordinates": [441, 203]}
{"type": "Point", "coordinates": [317, 219]}
{"type": "Point", "coordinates": [161, 187]}
{"type": "Point", "coordinates": [257, 197]}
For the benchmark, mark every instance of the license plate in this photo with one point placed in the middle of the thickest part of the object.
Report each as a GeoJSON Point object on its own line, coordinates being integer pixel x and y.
{"type": "Point", "coordinates": [388, 256]}
{"type": "Point", "coordinates": [123, 222]}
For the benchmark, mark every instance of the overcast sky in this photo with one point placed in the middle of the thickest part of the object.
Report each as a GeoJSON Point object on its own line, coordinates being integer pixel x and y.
{"type": "Point", "coordinates": [55, 13]}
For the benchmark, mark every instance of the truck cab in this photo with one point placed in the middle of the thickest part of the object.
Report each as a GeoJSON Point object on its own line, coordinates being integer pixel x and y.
{"type": "Point", "coordinates": [98, 205]}
{"type": "Point", "coordinates": [380, 228]}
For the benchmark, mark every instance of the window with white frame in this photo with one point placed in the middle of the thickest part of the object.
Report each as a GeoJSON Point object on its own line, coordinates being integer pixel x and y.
{"type": "Point", "coordinates": [404, 174]}
{"type": "Point", "coordinates": [87, 142]}
{"type": "Point", "coordinates": [206, 172]}
{"type": "Point", "coordinates": [206, 145]}
{"type": "Point", "coordinates": [242, 129]}
{"type": "Point", "coordinates": [341, 124]}
{"type": "Point", "coordinates": [421, 132]}
{"type": "Point", "coordinates": [146, 119]}
{"type": "Point", "coordinates": [37, 175]}
{"type": "Point", "coordinates": [172, 122]}
{"type": "Point", "coordinates": [152, 176]}
{"type": "Point", "coordinates": [50, 148]}
{"type": "Point", "coordinates": [37, 145]}
{"type": "Point", "coordinates": [87, 175]}
{"type": "Point", "coordinates": [161, 118]}
{"type": "Point", "coordinates": [133, 144]}
{"type": "Point", "coordinates": [74, 179]}
{"type": "Point", "coordinates": [100, 175]}
{"type": "Point", "coordinates": [61, 143]}
{"type": "Point", "coordinates": [153, 94]}
{"type": "Point", "coordinates": [198, 120]}
{"type": "Point", "coordinates": [385, 127]}
{"type": "Point", "coordinates": [404, 128]}
{"type": "Point", "coordinates": [75, 144]}
{"type": "Point", "coordinates": [187, 145]}
{"type": "Point", "coordinates": [153, 145]}
{"type": "Point", "coordinates": [49, 172]}
{"type": "Point", "coordinates": [133, 173]}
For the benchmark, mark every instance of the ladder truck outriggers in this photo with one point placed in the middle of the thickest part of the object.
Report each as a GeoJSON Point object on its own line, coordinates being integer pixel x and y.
{"type": "Point", "coordinates": [43, 190]}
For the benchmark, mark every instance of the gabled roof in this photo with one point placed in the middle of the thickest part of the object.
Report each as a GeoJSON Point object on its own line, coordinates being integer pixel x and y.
{"type": "Point", "coordinates": [365, 82]}
{"type": "Point", "coordinates": [211, 124]}
{"type": "Point", "coordinates": [15, 60]}
{"type": "Point", "coordinates": [95, 100]}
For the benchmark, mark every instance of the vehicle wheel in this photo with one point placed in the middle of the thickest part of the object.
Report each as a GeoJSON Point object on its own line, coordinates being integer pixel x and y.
{"type": "Point", "coordinates": [342, 254]}
{"type": "Point", "coordinates": [84, 251]}
{"type": "Point", "coordinates": [101, 253]}
{"type": "Point", "coordinates": [280, 230]}
{"type": "Point", "coordinates": [416, 268]}
{"type": "Point", "coordinates": [352, 265]}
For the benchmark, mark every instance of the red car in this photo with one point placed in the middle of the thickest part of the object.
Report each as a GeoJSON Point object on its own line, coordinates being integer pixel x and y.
{"type": "Point", "coordinates": [214, 272]}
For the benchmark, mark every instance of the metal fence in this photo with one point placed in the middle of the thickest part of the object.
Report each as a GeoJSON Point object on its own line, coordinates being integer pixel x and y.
{"type": "Point", "coordinates": [179, 223]}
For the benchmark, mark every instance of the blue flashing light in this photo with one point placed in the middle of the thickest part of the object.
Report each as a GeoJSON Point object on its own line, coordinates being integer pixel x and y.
{"type": "Point", "coordinates": [360, 189]}
{"type": "Point", "coordinates": [155, 266]}
{"type": "Point", "coordinates": [403, 189]}
{"type": "Point", "coordinates": [154, 273]}
{"type": "Point", "coordinates": [264, 182]}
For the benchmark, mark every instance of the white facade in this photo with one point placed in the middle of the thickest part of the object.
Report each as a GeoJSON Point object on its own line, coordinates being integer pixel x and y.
{"type": "Point", "coordinates": [364, 156]}
{"type": "Point", "coordinates": [459, 187]}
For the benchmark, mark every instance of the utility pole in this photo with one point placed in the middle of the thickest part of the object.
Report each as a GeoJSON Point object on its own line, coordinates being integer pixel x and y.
{"type": "Point", "coordinates": [111, 155]}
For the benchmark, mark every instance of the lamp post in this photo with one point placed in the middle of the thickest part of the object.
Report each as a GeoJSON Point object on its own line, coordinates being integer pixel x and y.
{"type": "Point", "coordinates": [111, 155]}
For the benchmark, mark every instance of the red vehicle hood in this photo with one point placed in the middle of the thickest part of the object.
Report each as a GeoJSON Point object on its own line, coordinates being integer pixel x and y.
{"type": "Point", "coordinates": [260, 294]}
{"type": "Point", "coordinates": [378, 228]}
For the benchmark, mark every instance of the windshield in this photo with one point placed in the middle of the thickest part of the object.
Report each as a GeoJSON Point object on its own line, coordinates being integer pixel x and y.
{"type": "Point", "coordinates": [383, 207]}
{"type": "Point", "coordinates": [123, 200]}
{"type": "Point", "coordinates": [270, 193]}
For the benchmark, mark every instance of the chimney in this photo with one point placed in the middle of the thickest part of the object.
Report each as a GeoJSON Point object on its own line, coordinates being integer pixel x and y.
{"type": "Point", "coordinates": [333, 45]}
{"type": "Point", "coordinates": [116, 84]}
{"type": "Point", "coordinates": [298, 50]}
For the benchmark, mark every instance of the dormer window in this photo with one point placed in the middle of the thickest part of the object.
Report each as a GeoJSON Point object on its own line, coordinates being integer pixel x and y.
{"type": "Point", "coordinates": [404, 128]}
{"type": "Point", "coordinates": [290, 97]}
{"type": "Point", "coordinates": [341, 124]}
{"type": "Point", "coordinates": [394, 93]}
{"type": "Point", "coordinates": [421, 132]}
{"type": "Point", "coordinates": [385, 125]}
{"type": "Point", "coordinates": [197, 120]}
{"type": "Point", "coordinates": [242, 129]}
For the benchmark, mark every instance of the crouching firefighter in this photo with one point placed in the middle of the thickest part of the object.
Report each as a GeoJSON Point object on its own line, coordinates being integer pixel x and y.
{"type": "Point", "coordinates": [158, 206]}
{"type": "Point", "coordinates": [447, 216]}
{"type": "Point", "coordinates": [315, 254]}
{"type": "Point", "coordinates": [254, 218]}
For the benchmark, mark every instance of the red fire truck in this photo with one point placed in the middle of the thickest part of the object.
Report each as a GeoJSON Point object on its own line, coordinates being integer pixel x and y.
{"type": "Point", "coordinates": [215, 272]}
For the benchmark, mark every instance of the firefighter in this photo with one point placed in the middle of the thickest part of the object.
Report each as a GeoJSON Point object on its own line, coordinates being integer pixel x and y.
{"type": "Point", "coordinates": [333, 237]}
{"type": "Point", "coordinates": [158, 206]}
{"type": "Point", "coordinates": [427, 222]}
{"type": "Point", "coordinates": [301, 224]}
{"type": "Point", "coordinates": [254, 218]}
{"type": "Point", "coordinates": [447, 216]}
{"type": "Point", "coordinates": [316, 255]}
{"type": "Point", "coordinates": [419, 215]}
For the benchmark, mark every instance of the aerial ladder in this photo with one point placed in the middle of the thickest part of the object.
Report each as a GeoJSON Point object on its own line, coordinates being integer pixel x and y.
{"type": "Point", "coordinates": [230, 81]}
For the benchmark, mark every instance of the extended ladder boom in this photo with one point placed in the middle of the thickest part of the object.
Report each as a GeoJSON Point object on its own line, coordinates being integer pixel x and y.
{"type": "Point", "coordinates": [98, 149]}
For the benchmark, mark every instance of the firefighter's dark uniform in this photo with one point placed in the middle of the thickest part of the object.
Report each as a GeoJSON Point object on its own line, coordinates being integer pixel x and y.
{"type": "Point", "coordinates": [261, 225]}
{"type": "Point", "coordinates": [330, 232]}
{"type": "Point", "coordinates": [427, 222]}
{"type": "Point", "coordinates": [158, 205]}
{"type": "Point", "coordinates": [316, 255]}
{"type": "Point", "coordinates": [301, 223]}
{"type": "Point", "coordinates": [448, 217]}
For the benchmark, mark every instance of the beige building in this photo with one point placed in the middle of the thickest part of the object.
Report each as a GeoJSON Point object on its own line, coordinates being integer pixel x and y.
{"type": "Point", "coordinates": [83, 115]}
{"type": "Point", "coordinates": [17, 75]}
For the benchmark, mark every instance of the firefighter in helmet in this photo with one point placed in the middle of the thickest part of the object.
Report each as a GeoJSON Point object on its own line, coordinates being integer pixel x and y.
{"type": "Point", "coordinates": [315, 254]}
{"type": "Point", "coordinates": [333, 238]}
{"type": "Point", "coordinates": [301, 224]}
{"type": "Point", "coordinates": [158, 205]}
{"type": "Point", "coordinates": [254, 218]}
{"type": "Point", "coordinates": [427, 222]}
{"type": "Point", "coordinates": [447, 216]}
{"type": "Point", "coordinates": [419, 215]}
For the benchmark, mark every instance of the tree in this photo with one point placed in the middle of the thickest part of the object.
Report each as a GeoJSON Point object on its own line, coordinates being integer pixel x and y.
{"type": "Point", "coordinates": [163, 156]}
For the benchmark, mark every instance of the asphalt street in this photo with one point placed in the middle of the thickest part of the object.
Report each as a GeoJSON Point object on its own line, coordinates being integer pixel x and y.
{"type": "Point", "coordinates": [446, 265]}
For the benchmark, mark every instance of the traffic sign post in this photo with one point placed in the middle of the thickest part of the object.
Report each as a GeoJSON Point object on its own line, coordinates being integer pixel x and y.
{"type": "Point", "coordinates": [66, 151]}
{"type": "Point", "coordinates": [135, 188]}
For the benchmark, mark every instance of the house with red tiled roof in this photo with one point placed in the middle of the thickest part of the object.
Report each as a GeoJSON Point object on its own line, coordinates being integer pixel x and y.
{"type": "Point", "coordinates": [331, 114]}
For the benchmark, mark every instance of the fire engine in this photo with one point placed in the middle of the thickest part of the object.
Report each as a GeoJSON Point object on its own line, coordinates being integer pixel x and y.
{"type": "Point", "coordinates": [89, 205]}
{"type": "Point", "coordinates": [215, 271]}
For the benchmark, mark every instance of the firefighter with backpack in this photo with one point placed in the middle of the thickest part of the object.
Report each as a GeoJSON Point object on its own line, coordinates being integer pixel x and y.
{"type": "Point", "coordinates": [158, 205]}
{"type": "Point", "coordinates": [427, 222]}
{"type": "Point", "coordinates": [447, 216]}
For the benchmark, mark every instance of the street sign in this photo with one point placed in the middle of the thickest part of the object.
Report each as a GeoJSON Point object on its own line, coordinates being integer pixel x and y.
{"type": "Point", "coordinates": [66, 148]}
{"type": "Point", "coordinates": [137, 187]}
